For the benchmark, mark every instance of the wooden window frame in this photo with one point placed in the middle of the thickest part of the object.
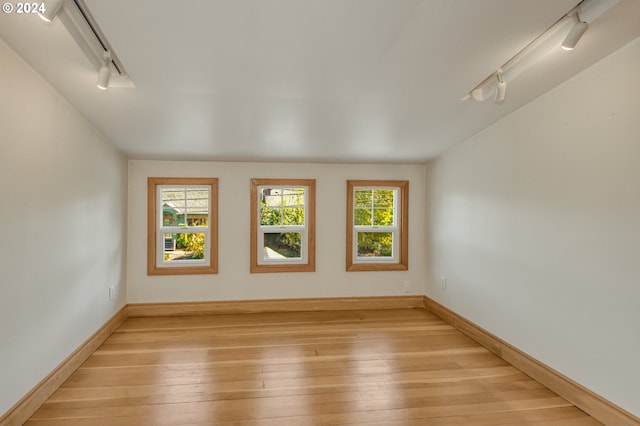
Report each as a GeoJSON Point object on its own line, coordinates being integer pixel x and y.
{"type": "Point", "coordinates": [401, 215]}
{"type": "Point", "coordinates": [310, 227]}
{"type": "Point", "coordinates": [153, 227]}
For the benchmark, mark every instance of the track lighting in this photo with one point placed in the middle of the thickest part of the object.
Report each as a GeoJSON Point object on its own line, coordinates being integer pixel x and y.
{"type": "Point", "coordinates": [501, 88]}
{"type": "Point", "coordinates": [579, 18]}
{"type": "Point", "coordinates": [575, 34]}
{"type": "Point", "coordinates": [51, 8]}
{"type": "Point", "coordinates": [78, 21]}
{"type": "Point", "coordinates": [103, 77]}
{"type": "Point", "coordinates": [105, 72]}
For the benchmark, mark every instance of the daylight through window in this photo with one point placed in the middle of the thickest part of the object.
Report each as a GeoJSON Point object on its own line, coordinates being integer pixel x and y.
{"type": "Point", "coordinates": [283, 227]}
{"type": "Point", "coordinates": [184, 211]}
{"type": "Point", "coordinates": [377, 225]}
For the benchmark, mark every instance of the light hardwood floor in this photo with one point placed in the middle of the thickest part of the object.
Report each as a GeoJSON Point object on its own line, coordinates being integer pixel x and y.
{"type": "Point", "coordinates": [382, 367]}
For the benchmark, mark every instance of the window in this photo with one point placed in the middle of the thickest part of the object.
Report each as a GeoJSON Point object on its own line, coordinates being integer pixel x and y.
{"type": "Point", "coordinates": [182, 226]}
{"type": "Point", "coordinates": [377, 225]}
{"type": "Point", "coordinates": [283, 225]}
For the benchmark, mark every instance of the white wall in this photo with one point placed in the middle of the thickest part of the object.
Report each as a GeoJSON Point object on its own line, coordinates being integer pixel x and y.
{"type": "Point", "coordinates": [62, 228]}
{"type": "Point", "coordinates": [536, 224]}
{"type": "Point", "coordinates": [234, 282]}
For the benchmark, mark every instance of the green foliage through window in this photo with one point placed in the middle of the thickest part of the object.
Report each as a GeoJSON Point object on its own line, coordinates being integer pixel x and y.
{"type": "Point", "coordinates": [374, 208]}
{"type": "Point", "coordinates": [188, 246]}
{"type": "Point", "coordinates": [282, 207]}
{"type": "Point", "coordinates": [185, 206]}
{"type": "Point", "coordinates": [375, 244]}
{"type": "Point", "coordinates": [285, 244]}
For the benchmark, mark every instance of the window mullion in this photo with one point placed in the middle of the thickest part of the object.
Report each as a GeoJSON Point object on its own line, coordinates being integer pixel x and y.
{"type": "Point", "coordinates": [373, 216]}
{"type": "Point", "coordinates": [186, 206]}
{"type": "Point", "coordinates": [183, 229]}
{"type": "Point", "coordinates": [296, 228]}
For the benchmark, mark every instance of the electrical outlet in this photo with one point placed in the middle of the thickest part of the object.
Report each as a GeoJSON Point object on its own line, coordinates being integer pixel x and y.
{"type": "Point", "coordinates": [443, 283]}
{"type": "Point", "coordinates": [112, 292]}
{"type": "Point", "coordinates": [406, 286]}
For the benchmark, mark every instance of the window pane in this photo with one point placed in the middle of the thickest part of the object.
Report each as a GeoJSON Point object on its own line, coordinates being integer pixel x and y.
{"type": "Point", "coordinates": [363, 198]}
{"type": "Point", "coordinates": [173, 206]}
{"type": "Point", "coordinates": [383, 207]}
{"type": "Point", "coordinates": [281, 206]}
{"type": "Point", "coordinates": [182, 206]}
{"type": "Point", "coordinates": [169, 216]}
{"type": "Point", "coordinates": [375, 244]}
{"type": "Point", "coordinates": [362, 217]}
{"type": "Point", "coordinates": [283, 245]}
{"type": "Point", "coordinates": [293, 197]}
{"type": "Point", "coordinates": [186, 246]}
{"type": "Point", "coordinates": [293, 216]}
{"type": "Point", "coordinates": [281, 197]}
{"type": "Point", "coordinates": [383, 198]}
{"type": "Point", "coordinates": [270, 216]}
{"type": "Point", "coordinates": [197, 202]}
{"type": "Point", "coordinates": [270, 196]}
{"type": "Point", "coordinates": [383, 217]}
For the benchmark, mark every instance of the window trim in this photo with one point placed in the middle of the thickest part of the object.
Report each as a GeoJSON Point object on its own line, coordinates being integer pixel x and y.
{"type": "Point", "coordinates": [402, 225]}
{"type": "Point", "coordinates": [289, 265]}
{"type": "Point", "coordinates": [153, 227]}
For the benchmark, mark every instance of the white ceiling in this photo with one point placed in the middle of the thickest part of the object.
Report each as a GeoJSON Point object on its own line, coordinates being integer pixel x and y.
{"type": "Point", "coordinates": [307, 80]}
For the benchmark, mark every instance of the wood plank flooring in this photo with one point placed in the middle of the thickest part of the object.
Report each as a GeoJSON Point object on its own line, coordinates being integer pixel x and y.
{"type": "Point", "coordinates": [383, 367]}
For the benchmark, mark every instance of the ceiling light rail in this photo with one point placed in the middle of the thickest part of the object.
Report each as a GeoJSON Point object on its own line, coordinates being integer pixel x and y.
{"type": "Point", "coordinates": [81, 25]}
{"type": "Point", "coordinates": [582, 15]}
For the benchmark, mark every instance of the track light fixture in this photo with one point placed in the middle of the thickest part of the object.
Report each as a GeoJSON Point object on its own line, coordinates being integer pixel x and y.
{"type": "Point", "coordinates": [76, 18]}
{"type": "Point", "coordinates": [501, 88]}
{"type": "Point", "coordinates": [51, 8]}
{"type": "Point", "coordinates": [584, 13]}
{"type": "Point", "coordinates": [575, 34]}
{"type": "Point", "coordinates": [105, 72]}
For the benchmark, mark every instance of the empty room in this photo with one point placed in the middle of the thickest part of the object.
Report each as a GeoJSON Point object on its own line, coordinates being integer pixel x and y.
{"type": "Point", "coordinates": [320, 212]}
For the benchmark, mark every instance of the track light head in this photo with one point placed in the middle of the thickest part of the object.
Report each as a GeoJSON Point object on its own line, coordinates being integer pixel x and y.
{"type": "Point", "coordinates": [501, 88]}
{"type": "Point", "coordinates": [51, 9]}
{"type": "Point", "coordinates": [105, 72]}
{"type": "Point", "coordinates": [103, 77]}
{"type": "Point", "coordinates": [575, 34]}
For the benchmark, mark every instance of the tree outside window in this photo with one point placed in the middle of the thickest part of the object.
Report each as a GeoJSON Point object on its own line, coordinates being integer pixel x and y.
{"type": "Point", "coordinates": [377, 229]}
{"type": "Point", "coordinates": [282, 225]}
